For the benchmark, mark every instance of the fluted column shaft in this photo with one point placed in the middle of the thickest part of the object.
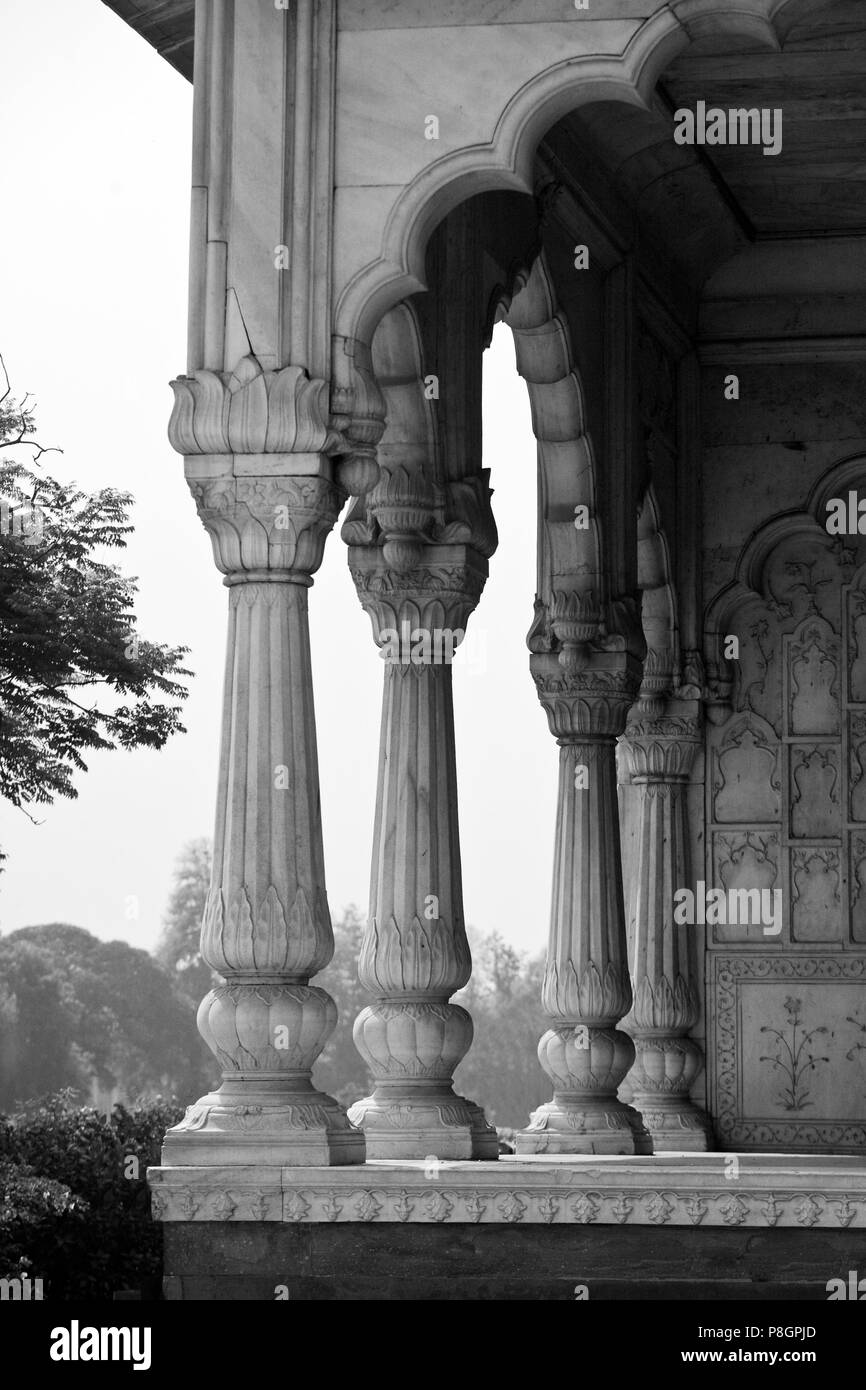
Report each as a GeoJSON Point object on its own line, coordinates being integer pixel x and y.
{"type": "Point", "coordinates": [659, 755]}
{"type": "Point", "coordinates": [586, 984]}
{"type": "Point", "coordinates": [415, 953]}
{"type": "Point", "coordinates": [266, 925]}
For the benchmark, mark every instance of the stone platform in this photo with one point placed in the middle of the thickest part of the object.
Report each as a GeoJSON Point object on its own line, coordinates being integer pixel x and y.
{"type": "Point", "coordinates": [742, 1226]}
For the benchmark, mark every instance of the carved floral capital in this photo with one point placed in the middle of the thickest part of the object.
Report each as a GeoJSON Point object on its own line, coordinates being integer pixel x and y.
{"type": "Point", "coordinates": [662, 749]}
{"type": "Point", "coordinates": [440, 594]}
{"type": "Point", "coordinates": [252, 411]}
{"type": "Point", "coordinates": [585, 703]}
{"type": "Point", "coordinates": [269, 523]}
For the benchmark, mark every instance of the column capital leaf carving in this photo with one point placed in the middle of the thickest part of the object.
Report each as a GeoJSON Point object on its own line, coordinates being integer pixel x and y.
{"type": "Point", "coordinates": [442, 592]}
{"type": "Point", "coordinates": [269, 524]}
{"type": "Point", "coordinates": [252, 411]}
{"type": "Point", "coordinates": [593, 701]}
{"type": "Point", "coordinates": [663, 748]}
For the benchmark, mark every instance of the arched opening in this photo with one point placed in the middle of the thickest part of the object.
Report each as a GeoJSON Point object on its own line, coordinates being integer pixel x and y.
{"type": "Point", "coordinates": [643, 280]}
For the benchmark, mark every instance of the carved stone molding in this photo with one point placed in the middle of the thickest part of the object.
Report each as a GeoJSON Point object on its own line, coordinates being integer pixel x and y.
{"type": "Point", "coordinates": [710, 1190]}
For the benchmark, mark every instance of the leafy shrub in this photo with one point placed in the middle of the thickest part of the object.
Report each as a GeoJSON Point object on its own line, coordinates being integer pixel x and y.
{"type": "Point", "coordinates": [74, 1204]}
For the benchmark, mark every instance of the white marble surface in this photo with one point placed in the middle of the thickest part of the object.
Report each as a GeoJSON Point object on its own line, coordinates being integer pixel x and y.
{"type": "Point", "coordinates": [724, 1190]}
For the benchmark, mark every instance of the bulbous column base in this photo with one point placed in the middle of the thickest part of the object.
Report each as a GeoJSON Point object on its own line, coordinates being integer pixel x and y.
{"type": "Point", "coordinates": [412, 1048]}
{"type": "Point", "coordinates": [660, 1080]}
{"type": "Point", "coordinates": [418, 1120]}
{"type": "Point", "coordinates": [269, 1121]}
{"type": "Point", "coordinates": [586, 1064]}
{"type": "Point", "coordinates": [266, 1035]}
{"type": "Point", "coordinates": [583, 1123]}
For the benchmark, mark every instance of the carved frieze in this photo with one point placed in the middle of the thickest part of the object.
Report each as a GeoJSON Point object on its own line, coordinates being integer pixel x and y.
{"type": "Point", "coordinates": [769, 1197]}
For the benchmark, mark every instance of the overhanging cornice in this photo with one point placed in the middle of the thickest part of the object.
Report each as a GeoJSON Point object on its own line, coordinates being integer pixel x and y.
{"type": "Point", "coordinates": [168, 25]}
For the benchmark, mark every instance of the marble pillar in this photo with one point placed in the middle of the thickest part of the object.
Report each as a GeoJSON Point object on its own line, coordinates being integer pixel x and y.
{"type": "Point", "coordinates": [415, 953]}
{"type": "Point", "coordinates": [267, 927]}
{"type": "Point", "coordinates": [659, 753]}
{"type": "Point", "coordinates": [586, 988]}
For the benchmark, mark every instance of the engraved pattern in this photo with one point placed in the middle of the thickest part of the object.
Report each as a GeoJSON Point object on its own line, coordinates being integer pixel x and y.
{"type": "Point", "coordinates": [736, 1131]}
{"type": "Point", "coordinates": [541, 1204]}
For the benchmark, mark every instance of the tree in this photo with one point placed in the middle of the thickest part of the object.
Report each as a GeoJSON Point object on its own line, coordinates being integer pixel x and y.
{"type": "Point", "coordinates": [501, 1069]}
{"type": "Point", "coordinates": [67, 626]}
{"type": "Point", "coordinates": [178, 948]}
{"type": "Point", "coordinates": [340, 1070]}
{"type": "Point", "coordinates": [74, 1010]}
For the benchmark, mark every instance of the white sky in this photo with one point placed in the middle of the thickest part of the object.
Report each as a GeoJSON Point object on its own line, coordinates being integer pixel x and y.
{"type": "Point", "coordinates": [93, 289]}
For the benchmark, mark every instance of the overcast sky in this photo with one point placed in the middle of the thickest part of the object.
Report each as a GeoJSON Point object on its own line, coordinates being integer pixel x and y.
{"type": "Point", "coordinates": [93, 290]}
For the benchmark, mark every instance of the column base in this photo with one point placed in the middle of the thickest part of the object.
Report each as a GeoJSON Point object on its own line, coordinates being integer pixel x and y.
{"type": "Point", "coordinates": [253, 1124]}
{"type": "Point", "coordinates": [584, 1125]}
{"type": "Point", "coordinates": [674, 1124]}
{"type": "Point", "coordinates": [406, 1125]}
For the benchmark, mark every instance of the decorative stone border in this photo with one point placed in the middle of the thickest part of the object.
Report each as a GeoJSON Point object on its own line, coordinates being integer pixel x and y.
{"type": "Point", "coordinates": [777, 1191]}
{"type": "Point", "coordinates": [726, 973]}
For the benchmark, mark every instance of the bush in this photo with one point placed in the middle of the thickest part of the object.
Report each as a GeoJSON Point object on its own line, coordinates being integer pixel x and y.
{"type": "Point", "coordinates": [74, 1204]}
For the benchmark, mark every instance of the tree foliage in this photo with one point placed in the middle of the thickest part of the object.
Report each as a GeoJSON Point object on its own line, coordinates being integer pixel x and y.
{"type": "Point", "coordinates": [74, 1204]}
{"type": "Point", "coordinates": [178, 948]}
{"type": "Point", "coordinates": [74, 675]}
{"type": "Point", "coordinates": [74, 1010]}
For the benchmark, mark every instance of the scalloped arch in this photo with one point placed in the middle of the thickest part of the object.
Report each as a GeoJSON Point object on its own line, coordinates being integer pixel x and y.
{"type": "Point", "coordinates": [505, 162]}
{"type": "Point", "coordinates": [566, 460]}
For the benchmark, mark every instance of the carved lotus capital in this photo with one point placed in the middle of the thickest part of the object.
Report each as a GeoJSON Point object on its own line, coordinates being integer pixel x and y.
{"type": "Point", "coordinates": [270, 523]}
{"type": "Point", "coordinates": [252, 411]}
{"type": "Point", "coordinates": [661, 749]}
{"type": "Point", "coordinates": [590, 702]}
{"type": "Point", "coordinates": [440, 594]}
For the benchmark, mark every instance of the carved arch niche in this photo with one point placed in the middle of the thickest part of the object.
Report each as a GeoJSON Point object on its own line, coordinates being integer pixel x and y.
{"type": "Point", "coordinates": [786, 784]}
